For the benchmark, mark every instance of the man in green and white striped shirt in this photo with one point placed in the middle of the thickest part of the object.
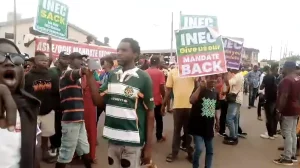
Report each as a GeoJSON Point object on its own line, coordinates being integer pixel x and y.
{"type": "Point", "coordinates": [129, 119]}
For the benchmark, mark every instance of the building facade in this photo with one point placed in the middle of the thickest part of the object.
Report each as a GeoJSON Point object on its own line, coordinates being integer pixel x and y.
{"type": "Point", "coordinates": [25, 27]}
{"type": "Point", "coordinates": [250, 57]}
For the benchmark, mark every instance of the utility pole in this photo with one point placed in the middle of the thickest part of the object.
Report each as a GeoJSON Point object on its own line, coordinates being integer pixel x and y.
{"type": "Point", "coordinates": [172, 32]}
{"type": "Point", "coordinates": [280, 56]}
{"type": "Point", "coordinates": [286, 49]}
{"type": "Point", "coordinates": [15, 22]}
{"type": "Point", "coordinates": [271, 53]}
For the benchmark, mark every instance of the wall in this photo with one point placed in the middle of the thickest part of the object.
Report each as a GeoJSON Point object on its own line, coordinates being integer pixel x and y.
{"type": "Point", "coordinates": [23, 29]}
{"type": "Point", "coordinates": [250, 57]}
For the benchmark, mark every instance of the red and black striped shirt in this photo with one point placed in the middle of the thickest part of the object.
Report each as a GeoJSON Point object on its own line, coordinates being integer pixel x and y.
{"type": "Point", "coordinates": [71, 97]}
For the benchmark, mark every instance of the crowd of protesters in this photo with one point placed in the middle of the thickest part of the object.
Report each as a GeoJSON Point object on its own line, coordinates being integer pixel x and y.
{"type": "Point", "coordinates": [63, 104]}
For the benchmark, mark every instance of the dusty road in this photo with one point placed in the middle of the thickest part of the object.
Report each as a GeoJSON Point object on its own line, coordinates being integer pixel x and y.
{"type": "Point", "coordinates": [252, 152]}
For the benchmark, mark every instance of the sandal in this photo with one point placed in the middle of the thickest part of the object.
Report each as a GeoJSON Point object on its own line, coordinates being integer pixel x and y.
{"type": "Point", "coordinates": [171, 158]}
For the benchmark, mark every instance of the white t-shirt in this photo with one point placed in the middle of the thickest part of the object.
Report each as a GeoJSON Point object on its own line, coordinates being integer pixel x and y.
{"type": "Point", "coordinates": [11, 145]}
{"type": "Point", "coordinates": [260, 82]}
{"type": "Point", "coordinates": [236, 84]}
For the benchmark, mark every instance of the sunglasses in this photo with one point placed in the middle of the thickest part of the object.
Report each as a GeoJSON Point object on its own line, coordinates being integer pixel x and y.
{"type": "Point", "coordinates": [17, 59]}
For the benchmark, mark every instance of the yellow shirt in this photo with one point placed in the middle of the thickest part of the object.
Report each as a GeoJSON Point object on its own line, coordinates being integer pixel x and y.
{"type": "Point", "coordinates": [182, 89]}
{"type": "Point", "coordinates": [245, 73]}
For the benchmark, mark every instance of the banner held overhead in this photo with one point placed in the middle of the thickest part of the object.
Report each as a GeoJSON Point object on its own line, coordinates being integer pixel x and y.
{"type": "Point", "coordinates": [52, 18]}
{"type": "Point", "coordinates": [200, 52]}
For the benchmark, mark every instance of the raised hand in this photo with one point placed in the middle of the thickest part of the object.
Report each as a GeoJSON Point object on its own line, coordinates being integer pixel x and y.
{"type": "Point", "coordinates": [8, 109]}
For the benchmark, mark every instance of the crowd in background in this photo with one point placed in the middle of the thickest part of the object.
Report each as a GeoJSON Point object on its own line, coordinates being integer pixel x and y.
{"type": "Point", "coordinates": [60, 104]}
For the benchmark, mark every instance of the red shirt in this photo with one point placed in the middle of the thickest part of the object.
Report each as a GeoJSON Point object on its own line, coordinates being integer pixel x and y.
{"type": "Point", "coordinates": [290, 85]}
{"type": "Point", "coordinates": [158, 78]}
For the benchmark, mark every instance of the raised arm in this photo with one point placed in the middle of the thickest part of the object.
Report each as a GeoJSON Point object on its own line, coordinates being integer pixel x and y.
{"type": "Point", "coordinates": [8, 106]}
{"type": "Point", "coordinates": [98, 98]}
{"type": "Point", "coordinates": [50, 51]}
{"type": "Point", "coordinates": [73, 75]}
{"type": "Point", "coordinates": [195, 95]}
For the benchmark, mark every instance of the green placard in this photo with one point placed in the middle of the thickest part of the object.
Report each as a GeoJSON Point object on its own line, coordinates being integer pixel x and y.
{"type": "Point", "coordinates": [52, 18]}
{"type": "Point", "coordinates": [197, 21]}
{"type": "Point", "coordinates": [199, 53]}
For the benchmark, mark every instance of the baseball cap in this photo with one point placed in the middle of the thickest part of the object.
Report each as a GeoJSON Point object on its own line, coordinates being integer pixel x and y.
{"type": "Point", "coordinates": [77, 55]}
{"type": "Point", "coordinates": [289, 64]}
{"type": "Point", "coordinates": [63, 54]}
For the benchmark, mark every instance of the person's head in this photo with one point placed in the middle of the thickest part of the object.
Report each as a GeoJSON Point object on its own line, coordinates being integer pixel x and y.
{"type": "Point", "coordinates": [11, 62]}
{"type": "Point", "coordinates": [255, 68]}
{"type": "Point", "coordinates": [29, 64]}
{"type": "Point", "coordinates": [274, 68]}
{"type": "Point", "coordinates": [266, 69]}
{"type": "Point", "coordinates": [107, 62]}
{"type": "Point", "coordinates": [211, 81]}
{"type": "Point", "coordinates": [128, 51]}
{"type": "Point", "coordinates": [155, 61]}
{"type": "Point", "coordinates": [41, 60]}
{"type": "Point", "coordinates": [90, 39]}
{"type": "Point", "coordinates": [77, 60]}
{"type": "Point", "coordinates": [106, 40]}
{"type": "Point", "coordinates": [219, 78]}
{"type": "Point", "coordinates": [145, 65]}
{"type": "Point", "coordinates": [288, 67]}
{"type": "Point", "coordinates": [63, 60]}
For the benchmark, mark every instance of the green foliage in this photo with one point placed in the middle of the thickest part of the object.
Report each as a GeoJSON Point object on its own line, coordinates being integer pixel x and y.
{"type": "Point", "coordinates": [269, 62]}
{"type": "Point", "coordinates": [291, 58]}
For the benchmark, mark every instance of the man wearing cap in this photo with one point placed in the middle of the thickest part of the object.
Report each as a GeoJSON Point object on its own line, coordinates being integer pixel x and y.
{"type": "Point", "coordinates": [62, 64]}
{"type": "Point", "coordinates": [288, 107]}
{"type": "Point", "coordinates": [74, 136]}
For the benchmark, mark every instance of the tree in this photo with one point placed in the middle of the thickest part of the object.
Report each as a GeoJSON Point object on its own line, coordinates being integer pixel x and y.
{"type": "Point", "coordinates": [291, 58]}
{"type": "Point", "coordinates": [269, 62]}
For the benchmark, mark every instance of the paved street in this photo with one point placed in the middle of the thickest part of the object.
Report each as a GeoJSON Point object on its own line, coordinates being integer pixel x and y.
{"type": "Point", "coordinates": [252, 152]}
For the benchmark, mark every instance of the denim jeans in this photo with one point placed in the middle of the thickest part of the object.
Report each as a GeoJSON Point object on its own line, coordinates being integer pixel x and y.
{"type": "Point", "coordinates": [199, 141]}
{"type": "Point", "coordinates": [288, 129]}
{"type": "Point", "coordinates": [74, 138]}
{"type": "Point", "coordinates": [252, 95]}
{"type": "Point", "coordinates": [232, 119]}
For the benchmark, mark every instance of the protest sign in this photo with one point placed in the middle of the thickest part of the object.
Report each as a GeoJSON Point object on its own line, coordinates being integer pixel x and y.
{"type": "Point", "coordinates": [199, 53]}
{"type": "Point", "coordinates": [52, 18]}
{"type": "Point", "coordinates": [93, 51]}
{"type": "Point", "coordinates": [233, 48]}
{"type": "Point", "coordinates": [198, 21]}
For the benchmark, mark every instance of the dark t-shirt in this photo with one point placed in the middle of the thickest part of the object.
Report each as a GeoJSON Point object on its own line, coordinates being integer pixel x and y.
{"type": "Point", "coordinates": [270, 88]}
{"type": "Point", "coordinates": [55, 75]}
{"type": "Point", "coordinates": [42, 85]}
{"type": "Point", "coordinates": [202, 115]}
{"type": "Point", "coordinates": [291, 86]}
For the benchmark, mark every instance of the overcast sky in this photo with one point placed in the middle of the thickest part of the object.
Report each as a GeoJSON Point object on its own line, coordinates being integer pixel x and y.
{"type": "Point", "coordinates": [261, 23]}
